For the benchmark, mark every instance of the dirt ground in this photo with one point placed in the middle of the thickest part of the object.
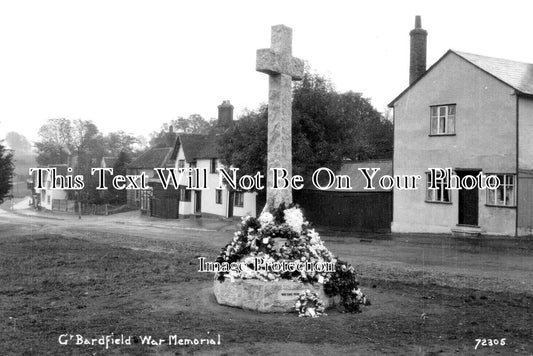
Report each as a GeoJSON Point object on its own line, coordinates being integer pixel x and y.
{"type": "Point", "coordinates": [138, 277]}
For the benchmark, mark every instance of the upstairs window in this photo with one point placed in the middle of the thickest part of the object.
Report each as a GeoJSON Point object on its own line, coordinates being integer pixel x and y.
{"type": "Point", "coordinates": [505, 194]}
{"type": "Point", "coordinates": [442, 120]}
{"type": "Point", "coordinates": [181, 163]}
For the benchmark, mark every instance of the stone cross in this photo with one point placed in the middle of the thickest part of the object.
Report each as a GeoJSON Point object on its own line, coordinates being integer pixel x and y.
{"type": "Point", "coordinates": [278, 62]}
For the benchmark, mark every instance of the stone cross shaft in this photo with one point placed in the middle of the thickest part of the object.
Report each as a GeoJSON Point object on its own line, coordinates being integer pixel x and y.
{"type": "Point", "coordinates": [278, 62]}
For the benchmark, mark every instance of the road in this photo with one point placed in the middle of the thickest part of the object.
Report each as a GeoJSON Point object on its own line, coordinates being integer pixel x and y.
{"type": "Point", "coordinates": [495, 264]}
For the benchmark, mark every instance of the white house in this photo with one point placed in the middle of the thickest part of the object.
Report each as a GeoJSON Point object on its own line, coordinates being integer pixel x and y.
{"type": "Point", "coordinates": [473, 114]}
{"type": "Point", "coordinates": [200, 152]}
{"type": "Point", "coordinates": [47, 197]}
{"type": "Point", "coordinates": [192, 151]}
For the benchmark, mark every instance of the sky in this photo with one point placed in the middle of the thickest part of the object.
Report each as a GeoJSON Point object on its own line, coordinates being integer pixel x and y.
{"type": "Point", "coordinates": [133, 65]}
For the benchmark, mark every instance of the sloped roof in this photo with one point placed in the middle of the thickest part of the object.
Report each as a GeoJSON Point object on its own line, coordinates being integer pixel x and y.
{"type": "Point", "coordinates": [198, 146]}
{"type": "Point", "coordinates": [357, 179]}
{"type": "Point", "coordinates": [153, 158]}
{"type": "Point", "coordinates": [517, 75]}
{"type": "Point", "coordinates": [210, 148]}
{"type": "Point", "coordinates": [192, 145]}
{"type": "Point", "coordinates": [110, 161]}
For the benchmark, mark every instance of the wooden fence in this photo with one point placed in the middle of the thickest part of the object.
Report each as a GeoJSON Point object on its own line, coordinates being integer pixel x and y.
{"type": "Point", "coordinates": [164, 207]}
{"type": "Point", "coordinates": [353, 211]}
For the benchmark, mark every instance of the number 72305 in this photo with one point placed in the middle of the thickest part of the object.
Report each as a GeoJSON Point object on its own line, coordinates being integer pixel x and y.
{"type": "Point", "coordinates": [489, 342]}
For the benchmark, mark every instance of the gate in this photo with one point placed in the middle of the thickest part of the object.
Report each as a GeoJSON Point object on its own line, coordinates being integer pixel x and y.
{"type": "Point", "coordinates": [164, 207]}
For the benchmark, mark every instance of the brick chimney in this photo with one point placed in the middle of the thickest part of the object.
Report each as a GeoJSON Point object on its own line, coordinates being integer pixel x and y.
{"type": "Point", "coordinates": [170, 137]}
{"type": "Point", "coordinates": [417, 65]}
{"type": "Point", "coordinates": [225, 114]}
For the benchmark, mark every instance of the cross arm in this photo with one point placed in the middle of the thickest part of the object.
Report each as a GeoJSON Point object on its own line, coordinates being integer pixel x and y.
{"type": "Point", "coordinates": [273, 63]}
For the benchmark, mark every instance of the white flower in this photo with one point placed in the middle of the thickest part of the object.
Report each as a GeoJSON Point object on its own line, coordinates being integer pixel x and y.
{"type": "Point", "coordinates": [266, 218]}
{"type": "Point", "coordinates": [313, 236]}
{"type": "Point", "coordinates": [294, 218]}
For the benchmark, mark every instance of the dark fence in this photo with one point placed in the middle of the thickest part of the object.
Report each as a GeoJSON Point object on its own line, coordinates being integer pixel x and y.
{"type": "Point", "coordinates": [164, 207]}
{"type": "Point", "coordinates": [353, 211]}
{"type": "Point", "coordinates": [64, 205]}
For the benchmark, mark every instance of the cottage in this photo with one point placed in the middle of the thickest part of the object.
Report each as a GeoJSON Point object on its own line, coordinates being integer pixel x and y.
{"type": "Point", "coordinates": [201, 152]}
{"type": "Point", "coordinates": [473, 114]}
{"type": "Point", "coordinates": [51, 198]}
{"type": "Point", "coordinates": [198, 152]}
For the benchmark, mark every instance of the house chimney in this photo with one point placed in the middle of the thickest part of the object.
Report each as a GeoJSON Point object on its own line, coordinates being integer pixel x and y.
{"type": "Point", "coordinates": [417, 65]}
{"type": "Point", "coordinates": [225, 114]}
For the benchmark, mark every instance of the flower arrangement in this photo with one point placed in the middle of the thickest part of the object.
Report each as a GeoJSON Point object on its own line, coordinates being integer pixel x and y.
{"type": "Point", "coordinates": [309, 304]}
{"type": "Point", "coordinates": [285, 235]}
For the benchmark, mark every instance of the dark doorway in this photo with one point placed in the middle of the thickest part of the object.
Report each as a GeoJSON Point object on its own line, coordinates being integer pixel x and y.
{"type": "Point", "coordinates": [468, 202]}
{"type": "Point", "coordinates": [230, 204]}
{"type": "Point", "coordinates": [197, 201]}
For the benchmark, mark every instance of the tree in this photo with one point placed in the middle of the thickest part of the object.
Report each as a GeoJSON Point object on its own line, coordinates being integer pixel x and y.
{"type": "Point", "coordinates": [78, 143]}
{"type": "Point", "coordinates": [327, 127]}
{"type": "Point", "coordinates": [54, 145]}
{"type": "Point", "coordinates": [113, 195]}
{"type": "Point", "coordinates": [194, 124]}
{"type": "Point", "coordinates": [119, 141]}
{"type": "Point", "coordinates": [18, 142]}
{"type": "Point", "coordinates": [245, 144]}
{"type": "Point", "coordinates": [6, 171]}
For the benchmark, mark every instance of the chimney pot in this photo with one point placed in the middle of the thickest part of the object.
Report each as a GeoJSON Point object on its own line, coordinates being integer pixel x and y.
{"type": "Point", "coordinates": [418, 21]}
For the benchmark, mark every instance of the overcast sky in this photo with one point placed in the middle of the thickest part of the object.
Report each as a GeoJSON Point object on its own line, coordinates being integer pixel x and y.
{"type": "Point", "coordinates": [133, 65]}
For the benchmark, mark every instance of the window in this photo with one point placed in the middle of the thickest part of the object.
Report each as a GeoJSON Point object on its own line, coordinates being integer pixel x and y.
{"type": "Point", "coordinates": [239, 199]}
{"type": "Point", "coordinates": [439, 195]}
{"type": "Point", "coordinates": [146, 195]}
{"type": "Point", "coordinates": [181, 163]}
{"type": "Point", "coordinates": [442, 120]}
{"type": "Point", "coordinates": [213, 165]}
{"type": "Point", "coordinates": [185, 194]}
{"type": "Point", "coordinates": [218, 196]}
{"type": "Point", "coordinates": [505, 194]}
{"type": "Point", "coordinates": [48, 199]}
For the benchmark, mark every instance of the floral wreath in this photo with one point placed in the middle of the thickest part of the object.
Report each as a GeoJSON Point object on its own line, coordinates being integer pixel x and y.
{"type": "Point", "coordinates": [309, 304]}
{"type": "Point", "coordinates": [284, 234]}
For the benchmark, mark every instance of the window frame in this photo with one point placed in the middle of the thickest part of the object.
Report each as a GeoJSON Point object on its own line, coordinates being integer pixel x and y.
{"type": "Point", "coordinates": [185, 194]}
{"type": "Point", "coordinates": [503, 184]}
{"type": "Point", "coordinates": [238, 202]}
{"type": "Point", "coordinates": [446, 118]}
{"type": "Point", "coordinates": [432, 194]}
{"type": "Point", "coordinates": [218, 196]}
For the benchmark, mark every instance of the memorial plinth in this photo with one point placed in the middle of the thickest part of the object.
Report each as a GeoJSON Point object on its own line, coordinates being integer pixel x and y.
{"type": "Point", "coordinates": [266, 296]}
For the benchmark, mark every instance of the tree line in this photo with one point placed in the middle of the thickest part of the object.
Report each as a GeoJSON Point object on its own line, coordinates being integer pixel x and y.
{"type": "Point", "coordinates": [328, 127]}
